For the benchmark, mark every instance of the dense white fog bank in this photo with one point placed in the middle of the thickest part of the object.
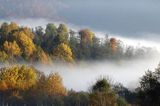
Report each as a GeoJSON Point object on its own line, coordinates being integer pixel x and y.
{"type": "Point", "coordinates": [82, 75]}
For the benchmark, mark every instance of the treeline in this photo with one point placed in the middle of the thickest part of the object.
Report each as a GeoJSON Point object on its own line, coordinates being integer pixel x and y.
{"type": "Point", "coordinates": [18, 44]}
{"type": "Point", "coordinates": [26, 86]}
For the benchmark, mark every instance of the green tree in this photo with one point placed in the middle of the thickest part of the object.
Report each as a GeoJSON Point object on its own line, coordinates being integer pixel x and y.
{"type": "Point", "coordinates": [102, 94]}
{"type": "Point", "coordinates": [149, 94]}
{"type": "Point", "coordinates": [121, 102]}
{"type": "Point", "coordinates": [77, 99]}
{"type": "Point", "coordinates": [39, 36]}
{"type": "Point", "coordinates": [73, 43]}
{"type": "Point", "coordinates": [62, 34]}
{"type": "Point", "coordinates": [51, 30]}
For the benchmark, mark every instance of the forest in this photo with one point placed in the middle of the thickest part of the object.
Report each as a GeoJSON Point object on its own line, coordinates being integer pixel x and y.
{"type": "Point", "coordinates": [21, 84]}
{"type": "Point", "coordinates": [61, 44]}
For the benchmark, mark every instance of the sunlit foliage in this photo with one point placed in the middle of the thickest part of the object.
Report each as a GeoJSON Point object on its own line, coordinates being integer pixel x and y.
{"type": "Point", "coordinates": [41, 57]}
{"type": "Point", "coordinates": [54, 85]}
{"type": "Point", "coordinates": [26, 44]}
{"type": "Point", "coordinates": [3, 56]}
{"type": "Point", "coordinates": [12, 48]}
{"type": "Point", "coordinates": [17, 77]}
{"type": "Point", "coordinates": [63, 53]}
{"type": "Point", "coordinates": [39, 43]}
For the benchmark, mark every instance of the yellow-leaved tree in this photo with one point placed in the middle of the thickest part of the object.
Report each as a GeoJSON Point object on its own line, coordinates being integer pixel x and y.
{"type": "Point", "coordinates": [12, 48]}
{"type": "Point", "coordinates": [17, 77]}
{"type": "Point", "coordinates": [54, 85]}
{"type": "Point", "coordinates": [3, 56]}
{"type": "Point", "coordinates": [63, 53]}
{"type": "Point", "coordinates": [41, 56]}
{"type": "Point", "coordinates": [26, 44]}
{"type": "Point", "coordinates": [28, 32]}
{"type": "Point", "coordinates": [8, 28]}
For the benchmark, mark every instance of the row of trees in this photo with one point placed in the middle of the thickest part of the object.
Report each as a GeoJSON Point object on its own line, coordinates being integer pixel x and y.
{"type": "Point", "coordinates": [26, 86]}
{"type": "Point", "coordinates": [60, 44]}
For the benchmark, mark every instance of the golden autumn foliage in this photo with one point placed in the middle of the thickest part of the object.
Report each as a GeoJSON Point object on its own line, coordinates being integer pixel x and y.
{"type": "Point", "coordinates": [48, 86]}
{"type": "Point", "coordinates": [3, 56]}
{"type": "Point", "coordinates": [17, 77]}
{"type": "Point", "coordinates": [86, 35]}
{"type": "Point", "coordinates": [41, 56]}
{"type": "Point", "coordinates": [28, 32]}
{"type": "Point", "coordinates": [63, 53]}
{"type": "Point", "coordinates": [8, 28]}
{"type": "Point", "coordinates": [17, 40]}
{"type": "Point", "coordinates": [54, 85]}
{"type": "Point", "coordinates": [26, 44]}
{"type": "Point", "coordinates": [12, 48]}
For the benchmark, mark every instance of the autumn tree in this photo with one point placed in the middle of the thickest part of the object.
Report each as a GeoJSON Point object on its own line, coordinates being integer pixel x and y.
{"type": "Point", "coordinates": [14, 81]}
{"type": "Point", "coordinates": [12, 48]}
{"type": "Point", "coordinates": [86, 36]}
{"type": "Point", "coordinates": [28, 32]}
{"type": "Point", "coordinates": [41, 56]}
{"type": "Point", "coordinates": [3, 56]}
{"type": "Point", "coordinates": [55, 85]}
{"type": "Point", "coordinates": [16, 40]}
{"type": "Point", "coordinates": [18, 77]}
{"type": "Point", "coordinates": [47, 89]}
{"type": "Point", "coordinates": [26, 44]}
{"type": "Point", "coordinates": [113, 44]}
{"type": "Point", "coordinates": [86, 40]}
{"type": "Point", "coordinates": [63, 53]}
{"type": "Point", "coordinates": [6, 30]}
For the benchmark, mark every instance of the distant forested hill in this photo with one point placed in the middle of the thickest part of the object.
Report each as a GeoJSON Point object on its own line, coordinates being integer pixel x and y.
{"type": "Point", "coordinates": [18, 44]}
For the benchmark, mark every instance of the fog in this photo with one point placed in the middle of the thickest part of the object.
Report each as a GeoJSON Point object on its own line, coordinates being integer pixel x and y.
{"type": "Point", "coordinates": [82, 75]}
